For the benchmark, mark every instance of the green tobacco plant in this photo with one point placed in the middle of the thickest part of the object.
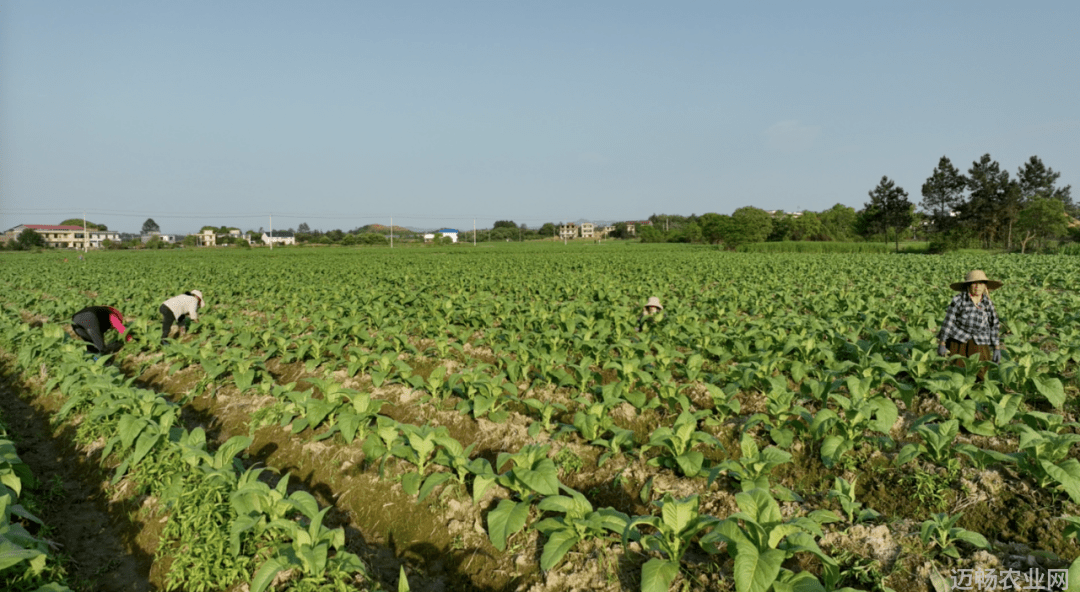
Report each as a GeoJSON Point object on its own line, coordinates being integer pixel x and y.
{"type": "Point", "coordinates": [532, 475]}
{"type": "Point", "coordinates": [941, 532]}
{"type": "Point", "coordinates": [844, 493]}
{"type": "Point", "coordinates": [937, 444]}
{"type": "Point", "coordinates": [256, 506]}
{"type": "Point", "coordinates": [309, 549]}
{"type": "Point", "coordinates": [144, 423]}
{"type": "Point", "coordinates": [672, 533]}
{"type": "Point", "coordinates": [545, 409]}
{"type": "Point", "coordinates": [858, 412]}
{"type": "Point", "coordinates": [760, 540]}
{"type": "Point", "coordinates": [725, 403]}
{"type": "Point", "coordinates": [578, 522]}
{"type": "Point", "coordinates": [596, 425]}
{"type": "Point", "coordinates": [753, 467]}
{"type": "Point", "coordinates": [677, 442]}
{"type": "Point", "coordinates": [419, 446]}
{"type": "Point", "coordinates": [1073, 530]}
{"type": "Point", "coordinates": [486, 396]}
{"type": "Point", "coordinates": [1044, 456]}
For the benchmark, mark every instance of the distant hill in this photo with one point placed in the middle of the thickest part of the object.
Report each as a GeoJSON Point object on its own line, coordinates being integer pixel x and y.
{"type": "Point", "coordinates": [79, 222]}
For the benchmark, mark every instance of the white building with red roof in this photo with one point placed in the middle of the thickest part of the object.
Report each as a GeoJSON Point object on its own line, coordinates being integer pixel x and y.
{"type": "Point", "coordinates": [66, 236]}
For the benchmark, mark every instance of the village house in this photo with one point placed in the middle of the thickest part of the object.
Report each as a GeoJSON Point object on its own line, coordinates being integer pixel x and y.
{"type": "Point", "coordinates": [450, 232]}
{"type": "Point", "coordinates": [165, 238]}
{"type": "Point", "coordinates": [206, 238]}
{"type": "Point", "coordinates": [568, 231]}
{"type": "Point", "coordinates": [587, 230]}
{"type": "Point", "coordinates": [65, 236]}
{"type": "Point", "coordinates": [278, 240]}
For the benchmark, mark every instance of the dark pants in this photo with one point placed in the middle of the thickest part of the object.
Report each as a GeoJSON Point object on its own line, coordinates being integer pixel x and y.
{"type": "Point", "coordinates": [969, 348]}
{"type": "Point", "coordinates": [167, 320]}
{"type": "Point", "coordinates": [86, 325]}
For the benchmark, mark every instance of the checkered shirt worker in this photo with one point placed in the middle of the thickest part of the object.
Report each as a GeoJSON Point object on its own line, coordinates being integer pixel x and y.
{"type": "Point", "coordinates": [971, 324]}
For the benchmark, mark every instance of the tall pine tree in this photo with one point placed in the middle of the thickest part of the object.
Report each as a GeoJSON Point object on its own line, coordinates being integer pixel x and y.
{"type": "Point", "coordinates": [891, 208]}
{"type": "Point", "coordinates": [943, 194]}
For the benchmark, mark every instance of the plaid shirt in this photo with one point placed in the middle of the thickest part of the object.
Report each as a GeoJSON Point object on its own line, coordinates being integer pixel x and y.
{"type": "Point", "coordinates": [966, 320]}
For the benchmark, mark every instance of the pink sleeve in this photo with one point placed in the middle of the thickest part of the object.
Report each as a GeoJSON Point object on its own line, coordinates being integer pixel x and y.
{"type": "Point", "coordinates": [118, 325]}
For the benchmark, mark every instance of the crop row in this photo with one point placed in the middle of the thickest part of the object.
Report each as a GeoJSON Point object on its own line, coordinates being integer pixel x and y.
{"type": "Point", "coordinates": [211, 502]}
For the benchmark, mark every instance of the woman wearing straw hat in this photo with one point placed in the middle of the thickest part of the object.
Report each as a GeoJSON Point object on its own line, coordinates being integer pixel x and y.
{"type": "Point", "coordinates": [652, 307]}
{"type": "Point", "coordinates": [971, 323]}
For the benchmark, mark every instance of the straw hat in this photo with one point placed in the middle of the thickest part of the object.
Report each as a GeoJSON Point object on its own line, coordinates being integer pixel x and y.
{"type": "Point", "coordinates": [973, 276]}
{"type": "Point", "coordinates": [654, 301]}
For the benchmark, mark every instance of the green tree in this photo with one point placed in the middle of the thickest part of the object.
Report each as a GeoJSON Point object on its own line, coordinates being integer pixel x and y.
{"type": "Point", "coordinates": [650, 234]}
{"type": "Point", "coordinates": [189, 241]}
{"type": "Point", "coordinates": [714, 227]}
{"type": "Point", "coordinates": [503, 233]}
{"type": "Point", "coordinates": [505, 224]}
{"type": "Point", "coordinates": [29, 238]}
{"type": "Point", "coordinates": [691, 232]}
{"type": "Point", "coordinates": [548, 229]}
{"type": "Point", "coordinates": [943, 194]}
{"type": "Point", "coordinates": [807, 227]}
{"type": "Point", "coordinates": [781, 227]}
{"type": "Point", "coordinates": [838, 222]}
{"type": "Point", "coordinates": [748, 225]}
{"type": "Point", "coordinates": [1042, 219]}
{"type": "Point", "coordinates": [889, 208]}
{"type": "Point", "coordinates": [621, 231]}
{"type": "Point", "coordinates": [991, 205]}
{"type": "Point", "coordinates": [150, 226]}
{"type": "Point", "coordinates": [1038, 180]}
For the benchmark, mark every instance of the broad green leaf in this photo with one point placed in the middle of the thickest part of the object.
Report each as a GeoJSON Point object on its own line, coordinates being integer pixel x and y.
{"type": "Point", "coordinates": [506, 519]}
{"type": "Point", "coordinates": [558, 544]}
{"type": "Point", "coordinates": [756, 571]}
{"type": "Point", "coordinates": [657, 575]}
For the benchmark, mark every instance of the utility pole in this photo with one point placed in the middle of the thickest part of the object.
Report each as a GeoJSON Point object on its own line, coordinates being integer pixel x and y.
{"type": "Point", "coordinates": [85, 237]}
{"type": "Point", "coordinates": [474, 232]}
{"type": "Point", "coordinates": [271, 232]}
{"type": "Point", "coordinates": [391, 232]}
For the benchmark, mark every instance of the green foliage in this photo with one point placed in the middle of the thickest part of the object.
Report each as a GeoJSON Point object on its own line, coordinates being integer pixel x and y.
{"type": "Point", "coordinates": [677, 443]}
{"type": "Point", "coordinates": [30, 239]}
{"type": "Point", "coordinates": [760, 540]}
{"type": "Point", "coordinates": [854, 511]}
{"type": "Point", "coordinates": [578, 522]}
{"type": "Point", "coordinates": [941, 534]}
{"type": "Point", "coordinates": [672, 534]}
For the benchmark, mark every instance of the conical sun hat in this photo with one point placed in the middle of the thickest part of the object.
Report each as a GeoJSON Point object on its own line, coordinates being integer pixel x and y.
{"type": "Point", "coordinates": [975, 275]}
{"type": "Point", "coordinates": [654, 301]}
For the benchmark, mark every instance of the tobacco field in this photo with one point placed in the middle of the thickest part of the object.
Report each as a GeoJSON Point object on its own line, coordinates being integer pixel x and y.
{"type": "Point", "coordinates": [491, 419]}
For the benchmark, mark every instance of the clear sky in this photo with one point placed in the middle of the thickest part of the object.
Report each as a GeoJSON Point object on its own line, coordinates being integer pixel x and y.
{"type": "Point", "coordinates": [346, 113]}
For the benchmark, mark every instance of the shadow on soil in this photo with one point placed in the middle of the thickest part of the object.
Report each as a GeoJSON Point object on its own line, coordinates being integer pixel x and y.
{"type": "Point", "coordinates": [102, 547]}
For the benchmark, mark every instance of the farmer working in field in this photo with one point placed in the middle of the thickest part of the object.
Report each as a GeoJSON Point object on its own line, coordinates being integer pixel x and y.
{"type": "Point", "coordinates": [179, 309]}
{"type": "Point", "coordinates": [652, 307]}
{"type": "Point", "coordinates": [91, 323]}
{"type": "Point", "coordinates": [971, 324]}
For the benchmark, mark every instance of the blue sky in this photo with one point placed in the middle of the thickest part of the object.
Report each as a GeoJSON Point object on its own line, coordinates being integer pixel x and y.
{"type": "Point", "coordinates": [342, 114]}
